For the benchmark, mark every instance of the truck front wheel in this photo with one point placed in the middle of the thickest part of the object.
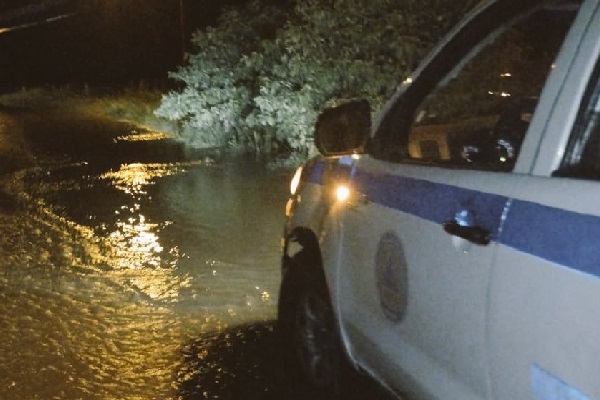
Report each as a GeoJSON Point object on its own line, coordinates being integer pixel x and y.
{"type": "Point", "coordinates": [311, 346]}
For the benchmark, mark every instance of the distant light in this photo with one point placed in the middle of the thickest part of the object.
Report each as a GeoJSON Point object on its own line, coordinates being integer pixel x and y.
{"type": "Point", "coordinates": [342, 193]}
{"type": "Point", "coordinates": [36, 23]}
{"type": "Point", "coordinates": [501, 94]}
{"type": "Point", "coordinates": [506, 75]}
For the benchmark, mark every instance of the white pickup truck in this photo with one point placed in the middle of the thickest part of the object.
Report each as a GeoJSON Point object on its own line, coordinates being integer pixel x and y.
{"type": "Point", "coordinates": [451, 248]}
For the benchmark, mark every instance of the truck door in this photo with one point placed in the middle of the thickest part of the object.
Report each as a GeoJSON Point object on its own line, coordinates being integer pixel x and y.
{"type": "Point", "coordinates": [422, 229]}
{"type": "Point", "coordinates": [544, 316]}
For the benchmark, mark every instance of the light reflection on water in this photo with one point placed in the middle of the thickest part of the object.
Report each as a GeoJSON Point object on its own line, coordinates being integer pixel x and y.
{"type": "Point", "coordinates": [114, 273]}
{"type": "Point", "coordinates": [133, 178]}
{"type": "Point", "coordinates": [134, 242]}
{"type": "Point", "coordinates": [212, 244]}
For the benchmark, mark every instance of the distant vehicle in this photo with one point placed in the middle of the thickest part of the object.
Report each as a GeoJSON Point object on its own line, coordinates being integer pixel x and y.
{"type": "Point", "coordinates": [451, 249]}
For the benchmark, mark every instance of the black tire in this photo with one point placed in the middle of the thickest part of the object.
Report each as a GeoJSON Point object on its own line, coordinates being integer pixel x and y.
{"type": "Point", "coordinates": [306, 326]}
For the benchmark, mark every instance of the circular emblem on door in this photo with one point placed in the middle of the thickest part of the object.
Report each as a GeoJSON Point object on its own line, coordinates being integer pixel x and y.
{"type": "Point", "coordinates": [391, 277]}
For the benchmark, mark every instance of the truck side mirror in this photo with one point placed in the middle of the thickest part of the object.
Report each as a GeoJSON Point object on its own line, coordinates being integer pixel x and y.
{"type": "Point", "coordinates": [343, 129]}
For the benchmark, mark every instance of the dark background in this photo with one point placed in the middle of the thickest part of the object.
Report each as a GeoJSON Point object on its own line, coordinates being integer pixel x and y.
{"type": "Point", "coordinates": [98, 42]}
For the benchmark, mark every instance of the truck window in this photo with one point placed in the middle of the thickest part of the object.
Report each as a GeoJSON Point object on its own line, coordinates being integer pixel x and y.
{"type": "Point", "coordinates": [478, 119]}
{"type": "Point", "coordinates": [582, 156]}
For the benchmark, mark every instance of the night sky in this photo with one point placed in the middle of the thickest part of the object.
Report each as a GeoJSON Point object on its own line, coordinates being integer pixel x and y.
{"type": "Point", "coordinates": [98, 42]}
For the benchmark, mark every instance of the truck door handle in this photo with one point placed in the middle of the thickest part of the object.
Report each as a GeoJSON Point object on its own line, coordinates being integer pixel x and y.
{"type": "Point", "coordinates": [474, 234]}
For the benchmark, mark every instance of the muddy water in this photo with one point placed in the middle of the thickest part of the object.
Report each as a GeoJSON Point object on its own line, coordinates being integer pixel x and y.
{"type": "Point", "coordinates": [130, 269]}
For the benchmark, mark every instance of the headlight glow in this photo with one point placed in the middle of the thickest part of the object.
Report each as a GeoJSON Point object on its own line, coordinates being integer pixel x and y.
{"type": "Point", "coordinates": [295, 181]}
{"type": "Point", "coordinates": [342, 193]}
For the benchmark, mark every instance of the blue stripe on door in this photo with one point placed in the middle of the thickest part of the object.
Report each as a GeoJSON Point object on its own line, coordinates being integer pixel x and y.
{"type": "Point", "coordinates": [564, 237]}
{"type": "Point", "coordinates": [431, 201]}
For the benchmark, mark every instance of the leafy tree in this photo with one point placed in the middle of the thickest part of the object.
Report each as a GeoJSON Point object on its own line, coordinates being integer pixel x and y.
{"type": "Point", "coordinates": [262, 75]}
{"type": "Point", "coordinates": [218, 80]}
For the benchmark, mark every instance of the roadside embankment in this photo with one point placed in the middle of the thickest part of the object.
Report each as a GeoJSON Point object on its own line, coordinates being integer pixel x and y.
{"type": "Point", "coordinates": [15, 151]}
{"type": "Point", "coordinates": [134, 105]}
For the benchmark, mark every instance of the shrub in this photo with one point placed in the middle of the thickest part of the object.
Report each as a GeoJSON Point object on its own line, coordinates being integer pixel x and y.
{"type": "Point", "coordinates": [261, 76]}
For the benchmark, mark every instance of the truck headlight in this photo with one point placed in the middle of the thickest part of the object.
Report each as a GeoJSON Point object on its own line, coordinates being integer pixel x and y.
{"type": "Point", "coordinates": [295, 181]}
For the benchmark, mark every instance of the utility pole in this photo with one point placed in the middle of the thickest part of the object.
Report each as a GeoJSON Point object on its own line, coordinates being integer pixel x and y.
{"type": "Point", "coordinates": [182, 29]}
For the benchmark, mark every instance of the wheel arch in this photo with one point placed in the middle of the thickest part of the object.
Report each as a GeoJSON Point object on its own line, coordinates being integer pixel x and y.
{"type": "Point", "coordinates": [303, 240]}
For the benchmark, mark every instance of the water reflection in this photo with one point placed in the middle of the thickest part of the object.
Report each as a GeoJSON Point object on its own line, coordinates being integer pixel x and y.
{"type": "Point", "coordinates": [114, 267]}
{"type": "Point", "coordinates": [142, 135]}
{"type": "Point", "coordinates": [134, 239]}
{"type": "Point", "coordinates": [133, 178]}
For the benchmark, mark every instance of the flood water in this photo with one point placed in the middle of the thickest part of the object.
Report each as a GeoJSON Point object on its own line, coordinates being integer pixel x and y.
{"type": "Point", "coordinates": [131, 268]}
{"type": "Point", "coordinates": [126, 261]}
